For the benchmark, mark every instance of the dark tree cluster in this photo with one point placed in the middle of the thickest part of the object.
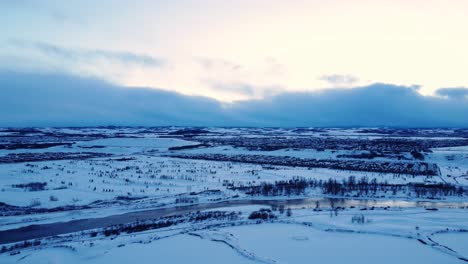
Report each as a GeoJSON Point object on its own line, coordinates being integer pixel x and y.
{"type": "Point", "coordinates": [417, 155]}
{"type": "Point", "coordinates": [369, 155]}
{"type": "Point", "coordinates": [189, 147]}
{"type": "Point", "coordinates": [32, 186]}
{"type": "Point", "coordinates": [350, 187]}
{"type": "Point", "coordinates": [388, 145]}
{"type": "Point", "coordinates": [10, 210]}
{"type": "Point", "coordinates": [294, 186]}
{"type": "Point", "coordinates": [396, 167]}
{"type": "Point", "coordinates": [12, 146]}
{"type": "Point", "coordinates": [218, 215]}
{"type": "Point", "coordinates": [48, 156]}
{"type": "Point", "coordinates": [17, 246]}
{"type": "Point", "coordinates": [263, 214]}
{"type": "Point", "coordinates": [186, 199]}
{"type": "Point", "coordinates": [139, 227]}
{"type": "Point", "coordinates": [434, 190]}
{"type": "Point", "coordinates": [167, 222]}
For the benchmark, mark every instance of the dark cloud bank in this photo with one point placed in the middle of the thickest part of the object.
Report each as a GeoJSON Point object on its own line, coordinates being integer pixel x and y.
{"type": "Point", "coordinates": [61, 100]}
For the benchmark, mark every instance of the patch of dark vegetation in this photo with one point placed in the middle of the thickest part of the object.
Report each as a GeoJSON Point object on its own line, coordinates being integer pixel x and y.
{"type": "Point", "coordinates": [169, 221]}
{"type": "Point", "coordinates": [47, 156]}
{"type": "Point", "coordinates": [422, 241]}
{"type": "Point", "coordinates": [309, 130]}
{"type": "Point", "coordinates": [204, 145]}
{"type": "Point", "coordinates": [369, 155]}
{"type": "Point", "coordinates": [351, 187]}
{"type": "Point", "coordinates": [6, 208]}
{"type": "Point", "coordinates": [125, 159]}
{"type": "Point", "coordinates": [12, 210]}
{"type": "Point", "coordinates": [37, 136]}
{"type": "Point", "coordinates": [460, 133]}
{"type": "Point", "coordinates": [22, 245]}
{"type": "Point", "coordinates": [409, 168]}
{"type": "Point", "coordinates": [13, 146]}
{"type": "Point", "coordinates": [91, 147]}
{"type": "Point", "coordinates": [32, 186]}
{"type": "Point", "coordinates": [417, 155]}
{"type": "Point", "coordinates": [129, 198]}
{"type": "Point", "coordinates": [358, 219]}
{"type": "Point", "coordinates": [23, 131]}
{"type": "Point", "coordinates": [207, 192]}
{"type": "Point", "coordinates": [189, 132]}
{"type": "Point", "coordinates": [262, 214]}
{"type": "Point", "coordinates": [372, 155]}
{"type": "Point", "coordinates": [186, 199]}
{"type": "Point", "coordinates": [382, 145]}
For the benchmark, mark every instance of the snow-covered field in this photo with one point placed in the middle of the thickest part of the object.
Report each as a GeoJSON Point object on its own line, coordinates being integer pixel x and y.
{"type": "Point", "coordinates": [139, 172]}
{"type": "Point", "coordinates": [403, 236]}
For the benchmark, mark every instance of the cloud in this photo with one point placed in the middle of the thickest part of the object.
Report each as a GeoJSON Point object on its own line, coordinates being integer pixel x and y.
{"type": "Point", "coordinates": [274, 67]}
{"type": "Point", "coordinates": [241, 91]}
{"type": "Point", "coordinates": [235, 88]}
{"type": "Point", "coordinates": [373, 105]}
{"type": "Point", "coordinates": [64, 100]}
{"type": "Point", "coordinates": [90, 55]}
{"type": "Point", "coordinates": [454, 93]}
{"type": "Point", "coordinates": [339, 79]}
{"type": "Point", "coordinates": [218, 64]}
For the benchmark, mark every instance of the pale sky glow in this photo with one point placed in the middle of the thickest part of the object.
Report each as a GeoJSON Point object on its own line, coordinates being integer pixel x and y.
{"type": "Point", "coordinates": [237, 50]}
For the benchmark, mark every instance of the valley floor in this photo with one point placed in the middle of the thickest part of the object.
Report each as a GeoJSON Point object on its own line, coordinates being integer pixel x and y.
{"type": "Point", "coordinates": [120, 195]}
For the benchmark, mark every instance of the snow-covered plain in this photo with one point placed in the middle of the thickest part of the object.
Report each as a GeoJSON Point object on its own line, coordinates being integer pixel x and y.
{"type": "Point", "coordinates": [140, 174]}
{"type": "Point", "coordinates": [307, 235]}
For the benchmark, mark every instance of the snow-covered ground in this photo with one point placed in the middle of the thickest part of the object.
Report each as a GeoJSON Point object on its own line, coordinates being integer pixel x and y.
{"type": "Point", "coordinates": [177, 249]}
{"type": "Point", "coordinates": [456, 241]}
{"type": "Point", "coordinates": [403, 236]}
{"type": "Point", "coordinates": [139, 174]}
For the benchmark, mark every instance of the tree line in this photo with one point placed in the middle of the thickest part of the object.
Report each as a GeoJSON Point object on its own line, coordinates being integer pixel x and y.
{"type": "Point", "coordinates": [350, 186]}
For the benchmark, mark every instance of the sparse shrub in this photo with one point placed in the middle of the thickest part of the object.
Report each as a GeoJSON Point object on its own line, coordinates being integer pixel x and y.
{"type": "Point", "coordinates": [186, 199]}
{"type": "Point", "coordinates": [112, 231]}
{"type": "Point", "coordinates": [281, 209]}
{"type": "Point", "coordinates": [35, 203]}
{"type": "Point", "coordinates": [359, 219]}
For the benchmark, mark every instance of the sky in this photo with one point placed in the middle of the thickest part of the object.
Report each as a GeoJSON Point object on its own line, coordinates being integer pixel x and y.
{"type": "Point", "coordinates": [244, 56]}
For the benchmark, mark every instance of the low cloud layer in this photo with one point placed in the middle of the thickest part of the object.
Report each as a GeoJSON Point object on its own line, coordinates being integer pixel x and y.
{"type": "Point", "coordinates": [61, 100]}
{"type": "Point", "coordinates": [88, 55]}
{"type": "Point", "coordinates": [374, 105]}
{"type": "Point", "coordinates": [454, 93]}
{"type": "Point", "coordinates": [339, 79]}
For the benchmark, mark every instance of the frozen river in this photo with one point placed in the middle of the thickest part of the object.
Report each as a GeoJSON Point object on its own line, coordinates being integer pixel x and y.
{"type": "Point", "coordinates": [52, 229]}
